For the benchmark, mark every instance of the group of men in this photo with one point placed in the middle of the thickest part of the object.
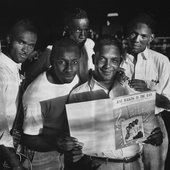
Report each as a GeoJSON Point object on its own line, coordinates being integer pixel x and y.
{"type": "Point", "coordinates": [74, 66]}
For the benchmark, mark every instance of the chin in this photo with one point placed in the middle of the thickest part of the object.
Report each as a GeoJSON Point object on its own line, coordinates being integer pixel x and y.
{"type": "Point", "coordinates": [68, 81]}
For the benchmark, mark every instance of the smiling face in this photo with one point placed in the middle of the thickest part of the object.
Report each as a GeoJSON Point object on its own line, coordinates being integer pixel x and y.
{"type": "Point", "coordinates": [22, 45]}
{"type": "Point", "coordinates": [106, 62]}
{"type": "Point", "coordinates": [65, 63]}
{"type": "Point", "coordinates": [139, 38]}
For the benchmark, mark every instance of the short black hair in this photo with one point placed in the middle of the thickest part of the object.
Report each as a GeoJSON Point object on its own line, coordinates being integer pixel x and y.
{"type": "Point", "coordinates": [107, 41]}
{"type": "Point", "coordinates": [63, 42]}
{"type": "Point", "coordinates": [146, 18]}
{"type": "Point", "coordinates": [75, 13]}
{"type": "Point", "coordinates": [26, 24]}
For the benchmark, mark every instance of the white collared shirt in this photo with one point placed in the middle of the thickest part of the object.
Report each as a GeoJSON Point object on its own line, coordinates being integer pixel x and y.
{"type": "Point", "coordinates": [9, 88]}
{"type": "Point", "coordinates": [101, 92]}
{"type": "Point", "coordinates": [153, 68]}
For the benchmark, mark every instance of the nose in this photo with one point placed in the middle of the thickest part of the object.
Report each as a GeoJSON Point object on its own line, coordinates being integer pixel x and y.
{"type": "Point", "coordinates": [83, 34]}
{"type": "Point", "coordinates": [107, 64]}
{"type": "Point", "coordinates": [137, 38]}
{"type": "Point", "coordinates": [25, 48]}
{"type": "Point", "coordinates": [68, 67]}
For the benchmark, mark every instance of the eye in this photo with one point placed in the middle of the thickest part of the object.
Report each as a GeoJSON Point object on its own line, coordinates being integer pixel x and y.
{"type": "Point", "coordinates": [20, 42]}
{"type": "Point", "coordinates": [132, 35]}
{"type": "Point", "coordinates": [75, 62]}
{"type": "Point", "coordinates": [143, 36]}
{"type": "Point", "coordinates": [101, 59]}
{"type": "Point", "coordinates": [78, 30]}
{"type": "Point", "coordinates": [60, 62]}
{"type": "Point", "coordinates": [31, 46]}
{"type": "Point", "coordinates": [115, 61]}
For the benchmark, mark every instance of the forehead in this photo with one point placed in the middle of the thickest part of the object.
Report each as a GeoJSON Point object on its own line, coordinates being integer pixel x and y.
{"type": "Point", "coordinates": [82, 22]}
{"type": "Point", "coordinates": [26, 36]}
{"type": "Point", "coordinates": [62, 52]}
{"type": "Point", "coordinates": [23, 33]}
{"type": "Point", "coordinates": [142, 27]}
{"type": "Point", "coordinates": [109, 50]}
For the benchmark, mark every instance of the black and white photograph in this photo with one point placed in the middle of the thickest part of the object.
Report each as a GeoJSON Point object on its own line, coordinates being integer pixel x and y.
{"type": "Point", "coordinates": [55, 53]}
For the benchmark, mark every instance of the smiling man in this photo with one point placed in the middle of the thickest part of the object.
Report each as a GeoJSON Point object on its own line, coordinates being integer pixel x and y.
{"type": "Point", "coordinates": [148, 70]}
{"type": "Point", "coordinates": [105, 83]}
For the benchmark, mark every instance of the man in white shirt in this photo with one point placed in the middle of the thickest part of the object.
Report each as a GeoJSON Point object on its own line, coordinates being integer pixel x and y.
{"type": "Point", "coordinates": [105, 83]}
{"type": "Point", "coordinates": [148, 70]}
{"type": "Point", "coordinates": [22, 39]}
{"type": "Point", "coordinates": [45, 125]}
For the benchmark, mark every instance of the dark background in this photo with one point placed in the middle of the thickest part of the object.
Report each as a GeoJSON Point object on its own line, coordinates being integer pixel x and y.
{"type": "Point", "coordinates": [48, 14]}
{"type": "Point", "coordinates": [48, 17]}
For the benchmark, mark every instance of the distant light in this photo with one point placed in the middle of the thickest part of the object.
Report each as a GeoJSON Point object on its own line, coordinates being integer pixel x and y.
{"type": "Point", "coordinates": [115, 14]}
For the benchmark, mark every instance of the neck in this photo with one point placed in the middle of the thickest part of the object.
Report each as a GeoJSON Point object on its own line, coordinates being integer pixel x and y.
{"type": "Point", "coordinates": [52, 78]}
{"type": "Point", "coordinates": [134, 55]}
{"type": "Point", "coordinates": [6, 52]}
{"type": "Point", "coordinates": [108, 84]}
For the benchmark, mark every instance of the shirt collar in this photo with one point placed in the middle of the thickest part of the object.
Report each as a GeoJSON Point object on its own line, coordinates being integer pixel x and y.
{"type": "Point", "coordinates": [92, 82]}
{"type": "Point", "coordinates": [143, 54]}
{"type": "Point", "coordinates": [13, 66]}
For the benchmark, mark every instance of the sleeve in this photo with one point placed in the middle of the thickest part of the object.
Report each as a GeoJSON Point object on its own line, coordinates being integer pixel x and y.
{"type": "Point", "coordinates": [164, 79]}
{"type": "Point", "coordinates": [33, 122]}
{"type": "Point", "coordinates": [163, 87]}
{"type": "Point", "coordinates": [5, 137]}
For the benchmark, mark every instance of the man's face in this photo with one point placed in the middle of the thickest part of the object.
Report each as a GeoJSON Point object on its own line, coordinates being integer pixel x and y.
{"type": "Point", "coordinates": [139, 38]}
{"type": "Point", "coordinates": [22, 45]}
{"type": "Point", "coordinates": [106, 63]}
{"type": "Point", "coordinates": [66, 64]}
{"type": "Point", "coordinates": [79, 30]}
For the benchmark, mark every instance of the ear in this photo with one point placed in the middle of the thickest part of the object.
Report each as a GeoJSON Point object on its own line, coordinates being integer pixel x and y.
{"type": "Point", "coordinates": [8, 39]}
{"type": "Point", "coordinates": [93, 59]}
{"type": "Point", "coordinates": [151, 38]}
{"type": "Point", "coordinates": [65, 31]}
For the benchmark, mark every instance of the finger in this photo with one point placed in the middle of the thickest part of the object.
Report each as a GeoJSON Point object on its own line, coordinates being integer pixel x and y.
{"type": "Point", "coordinates": [69, 138]}
{"type": "Point", "coordinates": [156, 130]}
{"type": "Point", "coordinates": [77, 157]}
{"type": "Point", "coordinates": [156, 142]}
{"type": "Point", "coordinates": [155, 136]}
{"type": "Point", "coordinates": [137, 81]}
{"type": "Point", "coordinates": [153, 142]}
{"type": "Point", "coordinates": [121, 69]}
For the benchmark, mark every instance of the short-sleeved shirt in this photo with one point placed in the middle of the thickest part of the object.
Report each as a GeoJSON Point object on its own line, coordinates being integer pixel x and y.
{"type": "Point", "coordinates": [44, 103]}
{"type": "Point", "coordinates": [9, 88]}
{"type": "Point", "coordinates": [152, 67]}
{"type": "Point", "coordinates": [93, 90]}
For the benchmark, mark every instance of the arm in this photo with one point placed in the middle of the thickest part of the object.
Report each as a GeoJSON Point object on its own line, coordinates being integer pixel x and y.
{"type": "Point", "coordinates": [140, 85]}
{"type": "Point", "coordinates": [162, 101]}
{"type": "Point", "coordinates": [10, 157]}
{"type": "Point", "coordinates": [37, 143]}
{"type": "Point", "coordinates": [42, 143]}
{"type": "Point", "coordinates": [155, 138]}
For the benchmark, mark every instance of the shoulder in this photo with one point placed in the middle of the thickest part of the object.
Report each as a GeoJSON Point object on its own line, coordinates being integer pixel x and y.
{"type": "Point", "coordinates": [34, 88]}
{"type": "Point", "coordinates": [80, 88]}
{"type": "Point", "coordinates": [157, 56]}
{"type": "Point", "coordinates": [89, 43]}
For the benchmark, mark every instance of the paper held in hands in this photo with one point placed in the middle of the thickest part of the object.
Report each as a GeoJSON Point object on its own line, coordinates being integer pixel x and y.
{"type": "Point", "coordinates": [106, 125]}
